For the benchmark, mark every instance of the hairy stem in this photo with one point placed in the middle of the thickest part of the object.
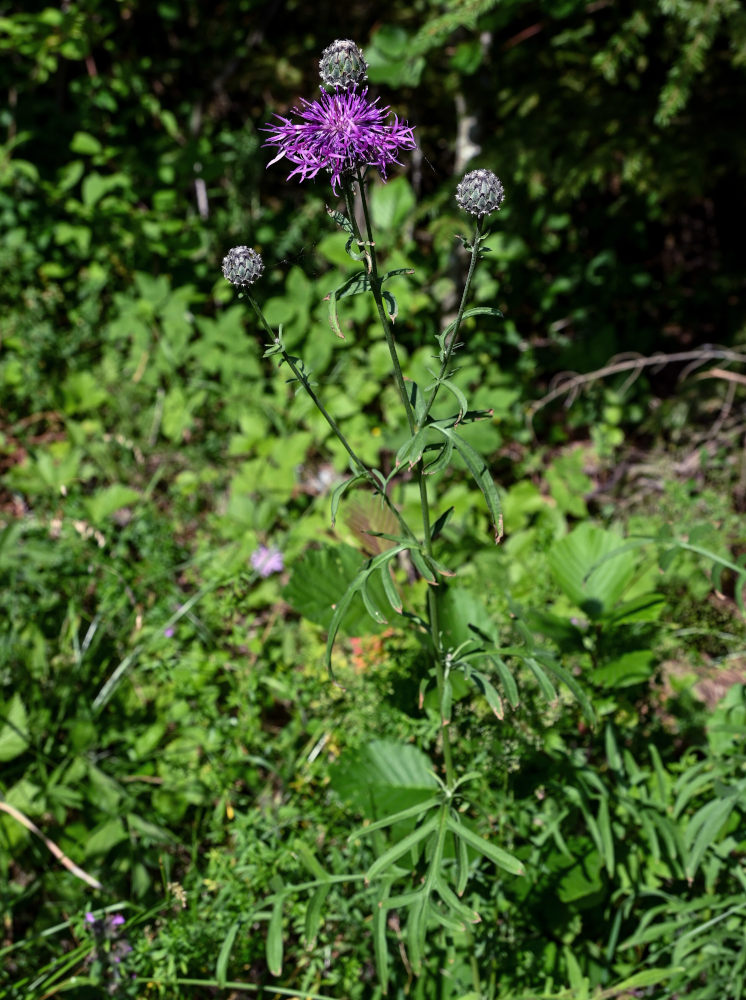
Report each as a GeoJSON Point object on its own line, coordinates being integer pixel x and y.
{"type": "Point", "coordinates": [358, 463]}
{"type": "Point", "coordinates": [459, 317]}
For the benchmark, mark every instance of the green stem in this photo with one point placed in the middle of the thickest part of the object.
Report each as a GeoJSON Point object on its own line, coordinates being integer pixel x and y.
{"type": "Point", "coordinates": [375, 286]}
{"type": "Point", "coordinates": [302, 378]}
{"type": "Point", "coordinates": [358, 463]}
{"type": "Point", "coordinates": [432, 604]}
{"type": "Point", "coordinates": [459, 317]}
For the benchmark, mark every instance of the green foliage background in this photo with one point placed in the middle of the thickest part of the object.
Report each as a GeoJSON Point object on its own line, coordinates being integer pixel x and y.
{"type": "Point", "coordinates": [166, 720]}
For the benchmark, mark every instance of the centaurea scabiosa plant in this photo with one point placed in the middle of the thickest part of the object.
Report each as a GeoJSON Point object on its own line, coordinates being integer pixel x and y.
{"type": "Point", "coordinates": [345, 134]}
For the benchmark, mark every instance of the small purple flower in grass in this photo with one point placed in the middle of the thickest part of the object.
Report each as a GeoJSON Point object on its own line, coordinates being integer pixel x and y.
{"type": "Point", "coordinates": [339, 132]}
{"type": "Point", "coordinates": [169, 632]}
{"type": "Point", "coordinates": [267, 561]}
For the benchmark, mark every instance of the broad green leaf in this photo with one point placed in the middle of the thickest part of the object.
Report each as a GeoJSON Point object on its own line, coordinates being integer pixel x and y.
{"type": "Point", "coordinates": [383, 778]}
{"type": "Point", "coordinates": [107, 501]}
{"type": "Point", "coordinates": [593, 583]}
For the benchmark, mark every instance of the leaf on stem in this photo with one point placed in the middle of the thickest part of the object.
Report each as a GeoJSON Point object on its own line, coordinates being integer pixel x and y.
{"type": "Point", "coordinates": [481, 474]}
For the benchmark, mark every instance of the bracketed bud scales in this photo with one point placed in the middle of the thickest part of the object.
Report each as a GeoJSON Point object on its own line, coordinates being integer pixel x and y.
{"type": "Point", "coordinates": [242, 266]}
{"type": "Point", "coordinates": [342, 65]}
{"type": "Point", "coordinates": [480, 193]}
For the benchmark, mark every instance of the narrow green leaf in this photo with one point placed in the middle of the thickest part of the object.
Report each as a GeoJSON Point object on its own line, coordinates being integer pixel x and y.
{"type": "Point", "coordinates": [221, 967]}
{"type": "Point", "coordinates": [475, 311]}
{"type": "Point", "coordinates": [274, 938]}
{"type": "Point", "coordinates": [461, 400]}
{"type": "Point", "coordinates": [422, 566]}
{"type": "Point", "coordinates": [507, 679]}
{"type": "Point", "coordinates": [442, 460]}
{"type": "Point", "coordinates": [370, 606]}
{"type": "Point", "coordinates": [313, 913]}
{"type": "Point", "coordinates": [607, 838]}
{"type": "Point", "coordinates": [454, 904]}
{"type": "Point", "coordinates": [412, 449]}
{"type": "Point", "coordinates": [479, 470]}
{"type": "Point", "coordinates": [380, 945]}
{"type": "Point", "coordinates": [566, 678]}
{"type": "Point", "coordinates": [489, 692]}
{"type": "Point", "coordinates": [446, 703]}
{"type": "Point", "coordinates": [392, 307]}
{"type": "Point", "coordinates": [417, 401]}
{"type": "Point", "coordinates": [339, 491]}
{"type": "Point", "coordinates": [406, 844]}
{"type": "Point", "coordinates": [397, 270]}
{"type": "Point", "coordinates": [417, 931]}
{"type": "Point", "coordinates": [495, 854]}
{"type": "Point", "coordinates": [390, 590]}
{"type": "Point", "coordinates": [418, 809]}
{"type": "Point", "coordinates": [440, 523]}
{"type": "Point", "coordinates": [462, 860]}
{"type": "Point", "coordinates": [547, 689]}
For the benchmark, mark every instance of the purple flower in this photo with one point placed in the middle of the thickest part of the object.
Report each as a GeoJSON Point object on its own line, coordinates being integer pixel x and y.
{"type": "Point", "coordinates": [89, 918]}
{"type": "Point", "coordinates": [267, 561]}
{"type": "Point", "coordinates": [169, 632]}
{"type": "Point", "coordinates": [339, 132]}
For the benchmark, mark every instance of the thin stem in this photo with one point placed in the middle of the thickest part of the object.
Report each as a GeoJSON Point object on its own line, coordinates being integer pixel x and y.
{"type": "Point", "coordinates": [432, 604]}
{"type": "Point", "coordinates": [459, 317]}
{"type": "Point", "coordinates": [303, 379]}
{"type": "Point", "coordinates": [360, 466]}
{"type": "Point", "coordinates": [375, 285]}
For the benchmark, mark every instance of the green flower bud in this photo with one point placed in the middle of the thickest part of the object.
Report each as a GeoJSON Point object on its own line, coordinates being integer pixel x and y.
{"type": "Point", "coordinates": [480, 192]}
{"type": "Point", "coordinates": [342, 65]}
{"type": "Point", "coordinates": [242, 266]}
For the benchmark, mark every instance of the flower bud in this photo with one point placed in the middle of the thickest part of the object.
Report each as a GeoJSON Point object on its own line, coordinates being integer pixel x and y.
{"type": "Point", "coordinates": [480, 192]}
{"type": "Point", "coordinates": [242, 266]}
{"type": "Point", "coordinates": [342, 65]}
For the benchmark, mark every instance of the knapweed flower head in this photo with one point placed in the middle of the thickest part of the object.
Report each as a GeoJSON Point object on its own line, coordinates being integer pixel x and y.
{"type": "Point", "coordinates": [342, 65]}
{"type": "Point", "coordinates": [242, 266]}
{"type": "Point", "coordinates": [480, 192]}
{"type": "Point", "coordinates": [267, 561]}
{"type": "Point", "coordinates": [339, 133]}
